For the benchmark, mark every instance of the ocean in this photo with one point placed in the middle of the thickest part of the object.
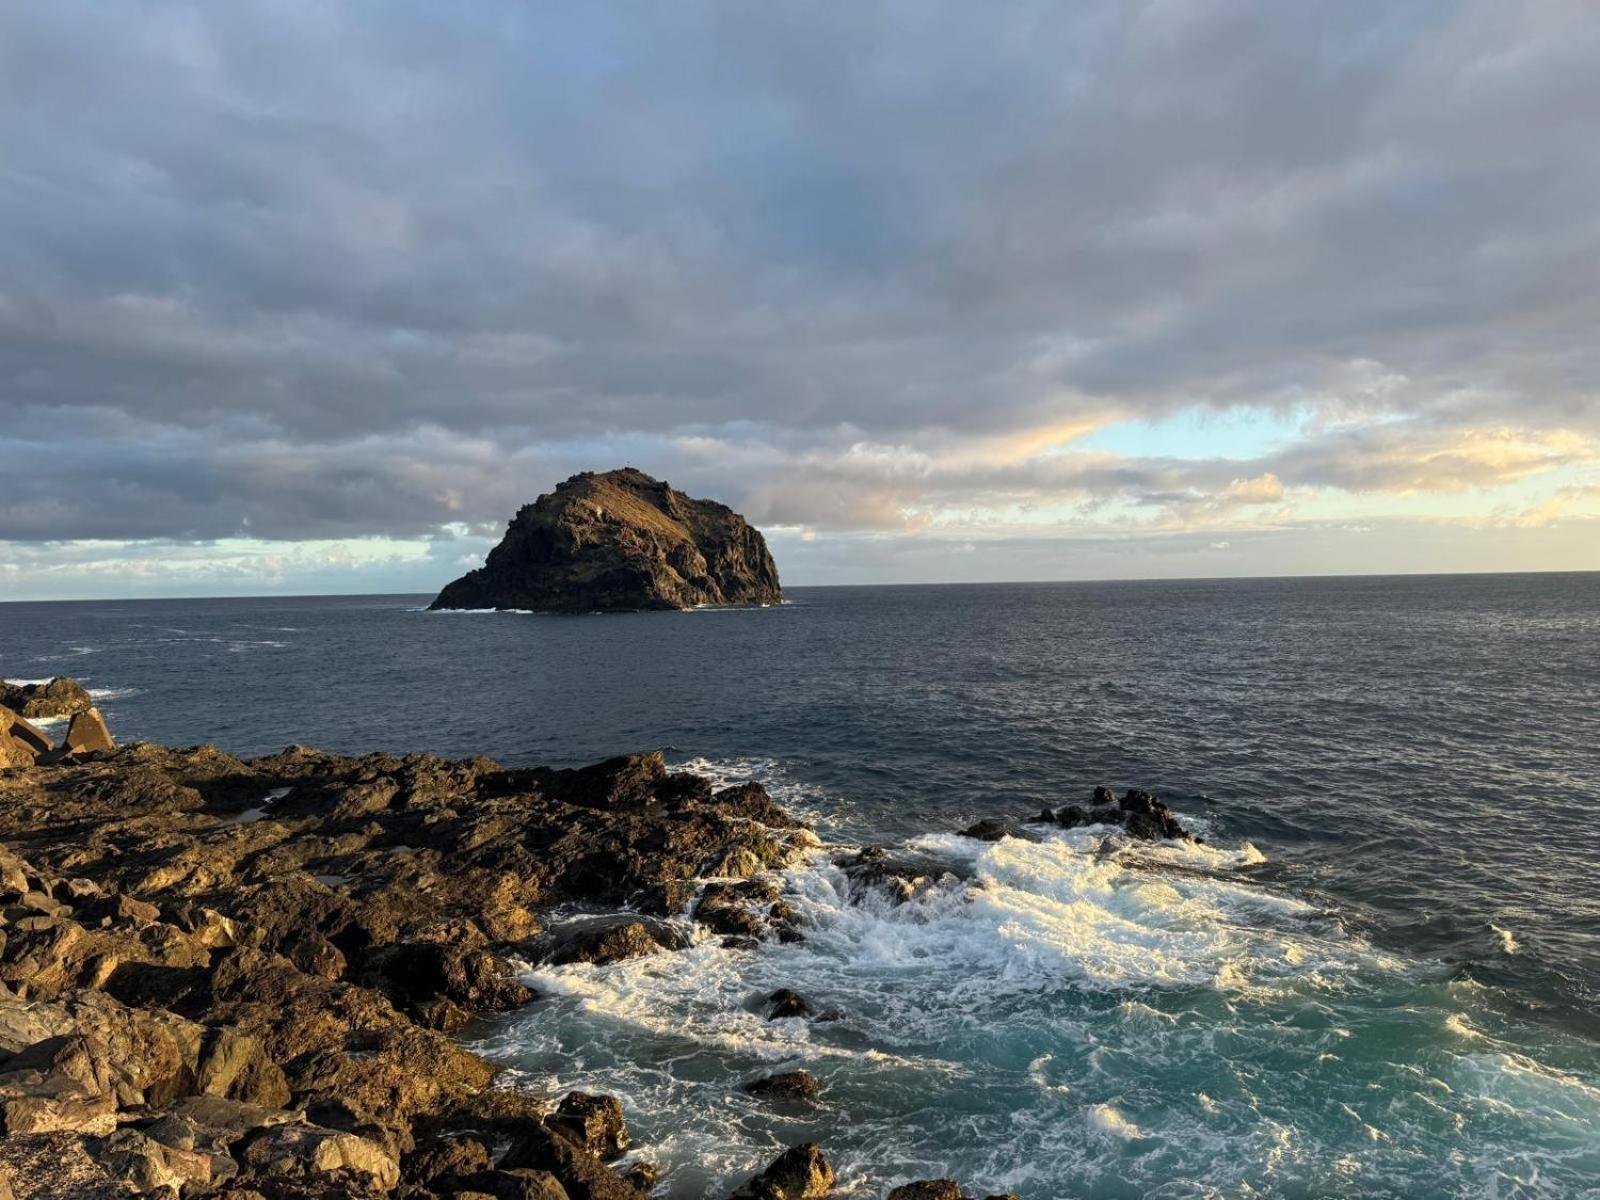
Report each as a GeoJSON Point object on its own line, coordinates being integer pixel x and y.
{"type": "Point", "coordinates": [1379, 976]}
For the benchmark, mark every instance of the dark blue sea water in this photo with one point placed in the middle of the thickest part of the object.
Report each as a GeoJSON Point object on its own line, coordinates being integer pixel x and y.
{"type": "Point", "coordinates": [1379, 979]}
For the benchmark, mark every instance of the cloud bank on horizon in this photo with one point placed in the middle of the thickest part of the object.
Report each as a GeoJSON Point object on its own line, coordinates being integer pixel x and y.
{"type": "Point", "coordinates": [311, 297]}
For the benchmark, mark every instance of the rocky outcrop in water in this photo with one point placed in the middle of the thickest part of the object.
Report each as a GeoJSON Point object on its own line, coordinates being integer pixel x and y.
{"type": "Point", "coordinates": [59, 697]}
{"type": "Point", "coordinates": [800, 1173]}
{"type": "Point", "coordinates": [238, 977]}
{"type": "Point", "coordinates": [1138, 813]}
{"type": "Point", "coordinates": [936, 1189]}
{"type": "Point", "coordinates": [620, 542]}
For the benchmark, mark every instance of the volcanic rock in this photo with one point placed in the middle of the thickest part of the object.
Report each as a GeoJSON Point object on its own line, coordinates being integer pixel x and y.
{"type": "Point", "coordinates": [25, 740]}
{"type": "Point", "coordinates": [800, 1173]}
{"type": "Point", "coordinates": [992, 829]}
{"type": "Point", "coordinates": [620, 542]}
{"type": "Point", "coordinates": [60, 697]}
{"type": "Point", "coordinates": [593, 1122]}
{"type": "Point", "coordinates": [1138, 813]}
{"type": "Point", "coordinates": [786, 1085]}
{"type": "Point", "coordinates": [298, 1151]}
{"type": "Point", "coordinates": [189, 1002]}
{"type": "Point", "coordinates": [927, 1189]}
{"type": "Point", "coordinates": [611, 941]}
{"type": "Point", "coordinates": [786, 1002]}
{"type": "Point", "coordinates": [580, 1172]}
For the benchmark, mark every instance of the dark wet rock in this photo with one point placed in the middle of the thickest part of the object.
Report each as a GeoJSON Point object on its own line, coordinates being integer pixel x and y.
{"type": "Point", "coordinates": [517, 1184]}
{"type": "Point", "coordinates": [786, 1003]}
{"type": "Point", "coordinates": [799, 1173]}
{"type": "Point", "coordinates": [592, 1122]}
{"type": "Point", "coordinates": [617, 542]}
{"type": "Point", "coordinates": [610, 941]}
{"type": "Point", "coordinates": [580, 1173]}
{"type": "Point", "coordinates": [445, 1156]}
{"type": "Point", "coordinates": [992, 829]}
{"type": "Point", "coordinates": [750, 908]}
{"type": "Point", "coordinates": [642, 1175]}
{"type": "Point", "coordinates": [902, 878]}
{"type": "Point", "coordinates": [60, 697]}
{"type": "Point", "coordinates": [1138, 813]}
{"type": "Point", "coordinates": [927, 1189]}
{"type": "Point", "coordinates": [1146, 817]}
{"type": "Point", "coordinates": [785, 1085]}
{"type": "Point", "coordinates": [418, 972]}
{"type": "Point", "coordinates": [117, 909]}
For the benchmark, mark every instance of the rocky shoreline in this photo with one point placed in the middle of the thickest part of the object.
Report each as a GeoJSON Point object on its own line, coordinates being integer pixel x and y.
{"type": "Point", "coordinates": [241, 977]}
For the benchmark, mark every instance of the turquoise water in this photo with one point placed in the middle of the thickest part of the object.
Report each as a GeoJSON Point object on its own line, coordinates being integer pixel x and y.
{"type": "Point", "coordinates": [1079, 1017]}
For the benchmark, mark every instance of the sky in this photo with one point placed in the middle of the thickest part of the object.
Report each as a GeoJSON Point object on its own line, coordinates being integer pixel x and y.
{"type": "Point", "coordinates": [299, 297]}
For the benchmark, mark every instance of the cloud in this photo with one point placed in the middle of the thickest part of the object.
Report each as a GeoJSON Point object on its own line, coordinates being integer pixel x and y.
{"type": "Point", "coordinates": [339, 272]}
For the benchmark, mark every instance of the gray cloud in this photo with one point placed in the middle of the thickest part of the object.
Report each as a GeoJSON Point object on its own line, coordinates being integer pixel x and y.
{"type": "Point", "coordinates": [304, 271]}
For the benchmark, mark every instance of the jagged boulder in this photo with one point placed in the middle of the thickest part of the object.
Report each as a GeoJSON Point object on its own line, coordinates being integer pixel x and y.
{"type": "Point", "coordinates": [12, 753]}
{"type": "Point", "coordinates": [87, 733]}
{"type": "Point", "coordinates": [593, 1122]}
{"type": "Point", "coordinates": [786, 1085]}
{"type": "Point", "coordinates": [610, 941]}
{"type": "Point", "coordinates": [992, 829]}
{"type": "Point", "coordinates": [21, 741]}
{"type": "Point", "coordinates": [309, 1152]}
{"type": "Point", "coordinates": [1138, 813]}
{"type": "Point", "coordinates": [800, 1173]}
{"type": "Point", "coordinates": [59, 697]}
{"type": "Point", "coordinates": [928, 1189]}
{"type": "Point", "coordinates": [579, 1171]}
{"type": "Point", "coordinates": [784, 1003]}
{"type": "Point", "coordinates": [620, 542]}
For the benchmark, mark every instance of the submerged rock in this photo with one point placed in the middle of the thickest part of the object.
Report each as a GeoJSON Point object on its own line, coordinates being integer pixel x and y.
{"type": "Point", "coordinates": [786, 1085]}
{"type": "Point", "coordinates": [928, 1189]}
{"type": "Point", "coordinates": [785, 1003]}
{"type": "Point", "coordinates": [992, 829]}
{"type": "Point", "coordinates": [1140, 814]}
{"type": "Point", "coordinates": [620, 542]}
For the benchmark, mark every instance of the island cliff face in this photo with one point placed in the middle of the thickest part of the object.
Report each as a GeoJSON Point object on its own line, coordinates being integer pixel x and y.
{"type": "Point", "coordinates": [620, 542]}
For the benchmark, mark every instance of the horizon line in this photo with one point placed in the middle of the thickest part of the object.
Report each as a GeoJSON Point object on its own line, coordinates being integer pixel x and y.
{"type": "Point", "coordinates": [887, 584]}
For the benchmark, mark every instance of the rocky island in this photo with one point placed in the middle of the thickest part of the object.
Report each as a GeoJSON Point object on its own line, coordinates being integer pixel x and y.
{"type": "Point", "coordinates": [620, 542]}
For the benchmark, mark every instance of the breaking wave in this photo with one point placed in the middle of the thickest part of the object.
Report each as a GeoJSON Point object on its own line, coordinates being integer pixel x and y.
{"type": "Point", "coordinates": [1075, 1016]}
